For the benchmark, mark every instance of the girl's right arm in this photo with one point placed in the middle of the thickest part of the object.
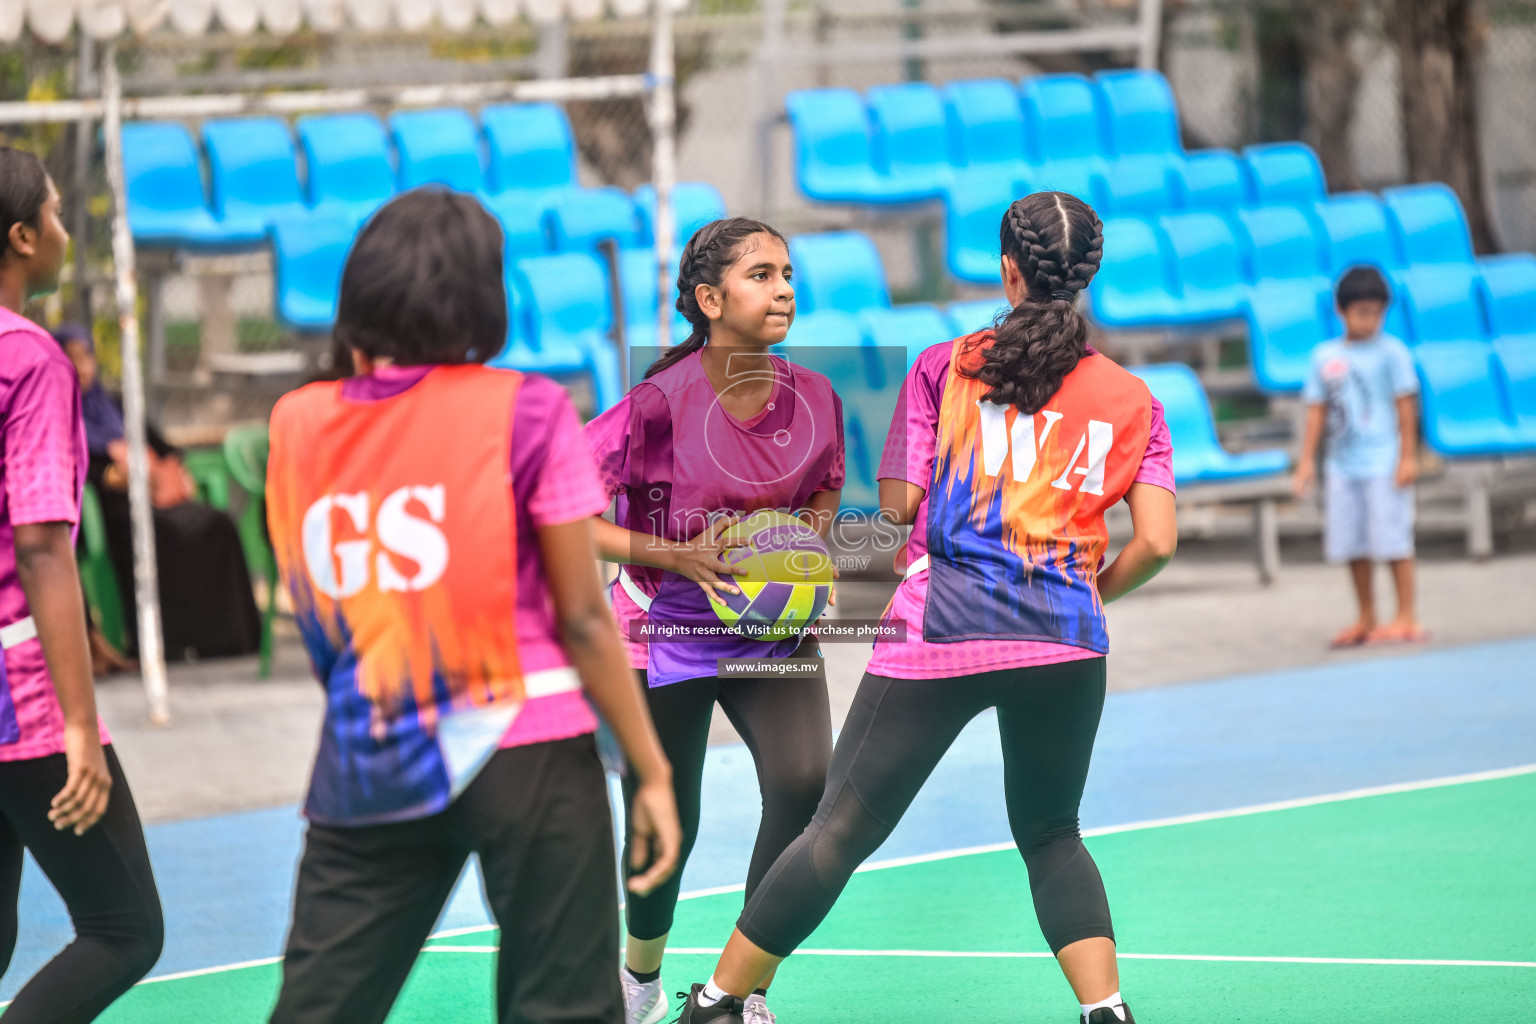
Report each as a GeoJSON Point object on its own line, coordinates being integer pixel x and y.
{"type": "Point", "coordinates": [1156, 526]}
{"type": "Point", "coordinates": [591, 640]}
{"type": "Point", "coordinates": [697, 558]}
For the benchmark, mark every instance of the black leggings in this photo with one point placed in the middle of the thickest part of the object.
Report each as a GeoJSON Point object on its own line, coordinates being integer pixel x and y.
{"type": "Point", "coordinates": [897, 730]}
{"type": "Point", "coordinates": [786, 724]}
{"type": "Point", "coordinates": [105, 881]}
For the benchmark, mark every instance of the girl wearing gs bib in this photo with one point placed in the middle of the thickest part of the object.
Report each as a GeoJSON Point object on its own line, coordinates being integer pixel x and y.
{"type": "Point", "coordinates": [431, 520]}
{"type": "Point", "coordinates": [63, 796]}
{"type": "Point", "coordinates": [718, 428]}
{"type": "Point", "coordinates": [1008, 447]}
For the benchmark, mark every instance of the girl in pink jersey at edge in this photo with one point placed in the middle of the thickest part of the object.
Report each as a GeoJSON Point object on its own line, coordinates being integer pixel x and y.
{"type": "Point", "coordinates": [62, 792]}
{"type": "Point", "coordinates": [718, 428]}
{"type": "Point", "coordinates": [1008, 447]}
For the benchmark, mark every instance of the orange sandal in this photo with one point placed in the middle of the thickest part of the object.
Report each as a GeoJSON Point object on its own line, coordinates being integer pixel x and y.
{"type": "Point", "coordinates": [1385, 635]}
{"type": "Point", "coordinates": [1352, 635]}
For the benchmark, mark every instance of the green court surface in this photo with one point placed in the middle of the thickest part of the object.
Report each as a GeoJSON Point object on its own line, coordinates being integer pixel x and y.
{"type": "Point", "coordinates": [1237, 918]}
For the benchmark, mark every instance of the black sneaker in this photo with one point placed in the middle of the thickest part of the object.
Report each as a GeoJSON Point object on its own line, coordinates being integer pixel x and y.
{"type": "Point", "coordinates": [1103, 1015]}
{"type": "Point", "coordinates": [726, 1011]}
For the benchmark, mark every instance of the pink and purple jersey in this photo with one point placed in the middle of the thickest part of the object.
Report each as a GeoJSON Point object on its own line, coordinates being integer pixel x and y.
{"type": "Point", "coordinates": [43, 463]}
{"type": "Point", "coordinates": [421, 664]}
{"type": "Point", "coordinates": [676, 460]}
{"type": "Point", "coordinates": [910, 455]}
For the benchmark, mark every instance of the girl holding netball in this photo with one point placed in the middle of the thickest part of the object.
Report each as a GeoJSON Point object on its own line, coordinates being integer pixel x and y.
{"type": "Point", "coordinates": [718, 427]}
{"type": "Point", "coordinates": [1008, 448]}
{"type": "Point", "coordinates": [432, 521]}
{"type": "Point", "coordinates": [62, 792]}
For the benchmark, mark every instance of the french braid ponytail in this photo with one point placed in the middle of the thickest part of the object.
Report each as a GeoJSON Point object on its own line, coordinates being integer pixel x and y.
{"type": "Point", "coordinates": [1057, 241]}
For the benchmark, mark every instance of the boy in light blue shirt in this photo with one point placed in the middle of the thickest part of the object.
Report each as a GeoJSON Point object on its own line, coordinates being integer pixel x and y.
{"type": "Point", "coordinates": [1362, 392]}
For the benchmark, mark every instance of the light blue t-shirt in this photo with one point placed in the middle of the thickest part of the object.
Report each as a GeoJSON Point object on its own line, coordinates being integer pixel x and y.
{"type": "Point", "coordinates": [1360, 382]}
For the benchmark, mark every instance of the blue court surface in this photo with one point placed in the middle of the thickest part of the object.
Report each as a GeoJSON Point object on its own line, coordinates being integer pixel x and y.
{"type": "Point", "coordinates": [1162, 753]}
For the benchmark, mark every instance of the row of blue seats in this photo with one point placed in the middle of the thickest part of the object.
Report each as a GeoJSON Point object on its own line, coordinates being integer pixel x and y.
{"type": "Point", "coordinates": [309, 252]}
{"type": "Point", "coordinates": [1474, 324]}
{"type": "Point", "coordinates": [1112, 140]}
{"type": "Point", "coordinates": [520, 160]}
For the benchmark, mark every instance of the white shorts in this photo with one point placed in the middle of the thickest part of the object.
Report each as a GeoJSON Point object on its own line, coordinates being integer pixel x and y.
{"type": "Point", "coordinates": [1369, 518]}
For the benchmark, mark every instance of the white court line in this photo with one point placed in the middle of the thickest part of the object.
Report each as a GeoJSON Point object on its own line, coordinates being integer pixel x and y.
{"type": "Point", "coordinates": [988, 955]}
{"type": "Point", "coordinates": [1188, 819]}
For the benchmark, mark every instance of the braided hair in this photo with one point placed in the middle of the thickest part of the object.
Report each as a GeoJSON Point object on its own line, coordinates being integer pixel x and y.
{"type": "Point", "coordinates": [1056, 241]}
{"type": "Point", "coordinates": [712, 250]}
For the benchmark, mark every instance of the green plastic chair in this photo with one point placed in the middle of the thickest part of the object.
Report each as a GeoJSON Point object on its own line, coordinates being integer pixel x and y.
{"type": "Point", "coordinates": [210, 472]}
{"type": "Point", "coordinates": [96, 572]}
{"type": "Point", "coordinates": [245, 452]}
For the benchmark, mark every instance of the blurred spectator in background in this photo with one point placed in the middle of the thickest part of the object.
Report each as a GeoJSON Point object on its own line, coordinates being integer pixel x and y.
{"type": "Point", "coordinates": [206, 602]}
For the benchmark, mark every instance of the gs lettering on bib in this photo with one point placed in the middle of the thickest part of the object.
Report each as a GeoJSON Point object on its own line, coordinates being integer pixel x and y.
{"type": "Point", "coordinates": [1016, 503]}
{"type": "Point", "coordinates": [400, 551]}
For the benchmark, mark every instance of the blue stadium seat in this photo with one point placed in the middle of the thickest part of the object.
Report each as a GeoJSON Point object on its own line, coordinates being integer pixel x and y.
{"type": "Point", "coordinates": [833, 158]}
{"type": "Point", "coordinates": [1464, 404]}
{"type": "Point", "coordinates": [1353, 229]}
{"type": "Point", "coordinates": [910, 146]}
{"type": "Point", "coordinates": [569, 314]}
{"type": "Point", "coordinates": [578, 220]}
{"type": "Point", "coordinates": [254, 169]}
{"type": "Point", "coordinates": [1281, 243]}
{"type": "Point", "coordinates": [828, 328]}
{"type": "Point", "coordinates": [975, 314]}
{"type": "Point", "coordinates": [531, 148]}
{"type": "Point", "coordinates": [1430, 224]}
{"type": "Point", "coordinates": [438, 147]}
{"type": "Point", "coordinates": [350, 171]}
{"type": "Point", "coordinates": [1285, 172]}
{"type": "Point", "coordinates": [1140, 183]}
{"type": "Point", "coordinates": [1140, 125]}
{"type": "Point", "coordinates": [1286, 321]}
{"type": "Point", "coordinates": [166, 202]}
{"type": "Point", "coordinates": [308, 254]}
{"type": "Point", "coordinates": [986, 126]}
{"type": "Point", "coordinates": [1133, 287]}
{"type": "Point", "coordinates": [973, 214]}
{"type": "Point", "coordinates": [694, 204]}
{"type": "Point", "coordinates": [904, 329]}
{"type": "Point", "coordinates": [837, 270]}
{"type": "Point", "coordinates": [1062, 125]}
{"type": "Point", "coordinates": [522, 228]}
{"type": "Point", "coordinates": [1198, 456]}
{"type": "Point", "coordinates": [1210, 179]}
{"type": "Point", "coordinates": [1138, 112]}
{"type": "Point", "coordinates": [637, 282]}
{"type": "Point", "coordinates": [1516, 355]}
{"type": "Point", "coordinates": [1508, 287]}
{"type": "Point", "coordinates": [1208, 264]}
{"type": "Point", "coordinates": [1289, 297]}
{"type": "Point", "coordinates": [1440, 302]}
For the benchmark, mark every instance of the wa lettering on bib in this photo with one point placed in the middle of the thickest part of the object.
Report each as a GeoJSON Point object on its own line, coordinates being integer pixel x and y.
{"type": "Point", "coordinates": [400, 554]}
{"type": "Point", "coordinates": [1016, 503]}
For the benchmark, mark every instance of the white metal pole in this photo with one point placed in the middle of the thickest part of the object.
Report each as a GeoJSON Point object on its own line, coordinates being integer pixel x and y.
{"type": "Point", "coordinates": [146, 578]}
{"type": "Point", "coordinates": [1149, 18]}
{"type": "Point", "coordinates": [663, 163]}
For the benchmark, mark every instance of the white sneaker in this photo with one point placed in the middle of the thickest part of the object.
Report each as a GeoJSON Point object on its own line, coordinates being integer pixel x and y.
{"type": "Point", "coordinates": [755, 1011]}
{"type": "Point", "coordinates": [644, 1002]}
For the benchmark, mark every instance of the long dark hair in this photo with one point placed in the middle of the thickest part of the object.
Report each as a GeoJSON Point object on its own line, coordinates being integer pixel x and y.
{"type": "Point", "coordinates": [23, 191]}
{"type": "Point", "coordinates": [423, 283]}
{"type": "Point", "coordinates": [1056, 240]}
{"type": "Point", "coordinates": [712, 250]}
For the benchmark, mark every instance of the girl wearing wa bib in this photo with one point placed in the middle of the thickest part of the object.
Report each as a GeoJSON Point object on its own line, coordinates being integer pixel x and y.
{"type": "Point", "coordinates": [1008, 448]}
